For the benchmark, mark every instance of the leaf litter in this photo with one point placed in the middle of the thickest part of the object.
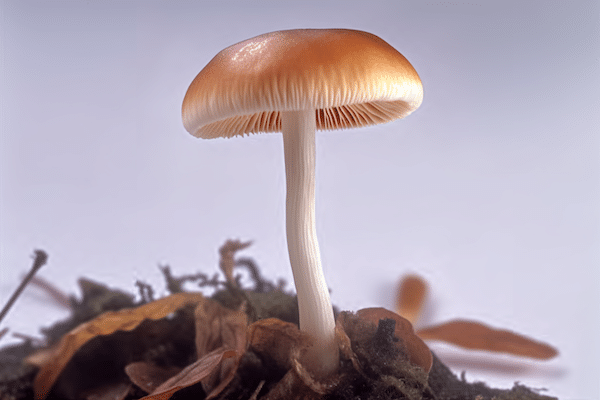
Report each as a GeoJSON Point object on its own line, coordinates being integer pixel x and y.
{"type": "Point", "coordinates": [237, 344]}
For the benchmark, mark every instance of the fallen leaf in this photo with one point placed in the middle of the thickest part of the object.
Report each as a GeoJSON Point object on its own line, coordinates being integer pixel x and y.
{"type": "Point", "coordinates": [277, 339]}
{"type": "Point", "coordinates": [191, 375]}
{"type": "Point", "coordinates": [105, 324]}
{"type": "Point", "coordinates": [148, 376]}
{"type": "Point", "coordinates": [40, 357]}
{"type": "Point", "coordinates": [115, 391]}
{"type": "Point", "coordinates": [219, 327]}
{"type": "Point", "coordinates": [412, 292]}
{"type": "Point", "coordinates": [477, 336]}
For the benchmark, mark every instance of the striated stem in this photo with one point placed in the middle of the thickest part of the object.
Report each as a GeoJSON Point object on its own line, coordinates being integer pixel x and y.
{"type": "Point", "coordinates": [316, 313]}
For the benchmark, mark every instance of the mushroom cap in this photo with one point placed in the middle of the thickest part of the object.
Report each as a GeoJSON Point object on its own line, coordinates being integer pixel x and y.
{"type": "Point", "coordinates": [350, 78]}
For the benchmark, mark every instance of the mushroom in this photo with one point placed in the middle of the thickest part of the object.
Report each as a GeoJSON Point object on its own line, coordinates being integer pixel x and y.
{"type": "Point", "coordinates": [294, 82]}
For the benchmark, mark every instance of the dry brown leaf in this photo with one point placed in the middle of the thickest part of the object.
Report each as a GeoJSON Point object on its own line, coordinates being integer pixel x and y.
{"type": "Point", "coordinates": [278, 339]}
{"type": "Point", "coordinates": [40, 357]}
{"type": "Point", "coordinates": [228, 368]}
{"type": "Point", "coordinates": [418, 352]}
{"type": "Point", "coordinates": [149, 376]}
{"type": "Point", "coordinates": [105, 324]}
{"type": "Point", "coordinates": [115, 391]}
{"type": "Point", "coordinates": [219, 327]}
{"type": "Point", "coordinates": [412, 292]}
{"type": "Point", "coordinates": [191, 375]}
{"type": "Point", "coordinates": [220, 343]}
{"type": "Point", "coordinates": [477, 336]}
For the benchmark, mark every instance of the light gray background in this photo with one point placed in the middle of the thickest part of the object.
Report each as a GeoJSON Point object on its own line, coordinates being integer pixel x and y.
{"type": "Point", "coordinates": [490, 190]}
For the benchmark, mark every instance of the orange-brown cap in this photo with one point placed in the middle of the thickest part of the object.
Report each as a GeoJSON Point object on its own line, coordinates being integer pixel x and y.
{"type": "Point", "coordinates": [350, 78]}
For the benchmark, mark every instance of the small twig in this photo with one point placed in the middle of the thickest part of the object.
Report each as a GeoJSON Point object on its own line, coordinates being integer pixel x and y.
{"type": "Point", "coordinates": [260, 285]}
{"type": "Point", "coordinates": [257, 390]}
{"type": "Point", "coordinates": [40, 258]}
{"type": "Point", "coordinates": [3, 332]}
{"type": "Point", "coordinates": [206, 281]}
{"type": "Point", "coordinates": [146, 291]}
{"type": "Point", "coordinates": [60, 297]}
{"type": "Point", "coordinates": [175, 284]}
{"type": "Point", "coordinates": [28, 338]}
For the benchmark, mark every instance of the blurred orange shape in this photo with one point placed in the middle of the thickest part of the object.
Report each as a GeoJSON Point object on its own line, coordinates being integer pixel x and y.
{"type": "Point", "coordinates": [477, 336]}
{"type": "Point", "coordinates": [412, 292]}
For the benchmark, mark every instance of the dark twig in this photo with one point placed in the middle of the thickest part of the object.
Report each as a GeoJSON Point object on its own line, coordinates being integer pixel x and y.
{"type": "Point", "coordinates": [261, 285]}
{"type": "Point", "coordinates": [40, 258]}
{"type": "Point", "coordinates": [30, 339]}
{"type": "Point", "coordinates": [3, 332]}
{"type": "Point", "coordinates": [60, 297]}
{"type": "Point", "coordinates": [146, 291]}
{"type": "Point", "coordinates": [175, 284]}
{"type": "Point", "coordinates": [204, 280]}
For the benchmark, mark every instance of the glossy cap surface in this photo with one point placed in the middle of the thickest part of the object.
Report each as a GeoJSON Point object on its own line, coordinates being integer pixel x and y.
{"type": "Point", "coordinates": [350, 78]}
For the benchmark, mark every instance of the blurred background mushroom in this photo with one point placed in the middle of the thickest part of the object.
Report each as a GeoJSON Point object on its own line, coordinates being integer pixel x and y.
{"type": "Point", "coordinates": [502, 157]}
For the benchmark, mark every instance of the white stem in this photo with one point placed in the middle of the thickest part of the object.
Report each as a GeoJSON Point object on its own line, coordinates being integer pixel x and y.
{"type": "Point", "coordinates": [316, 313]}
